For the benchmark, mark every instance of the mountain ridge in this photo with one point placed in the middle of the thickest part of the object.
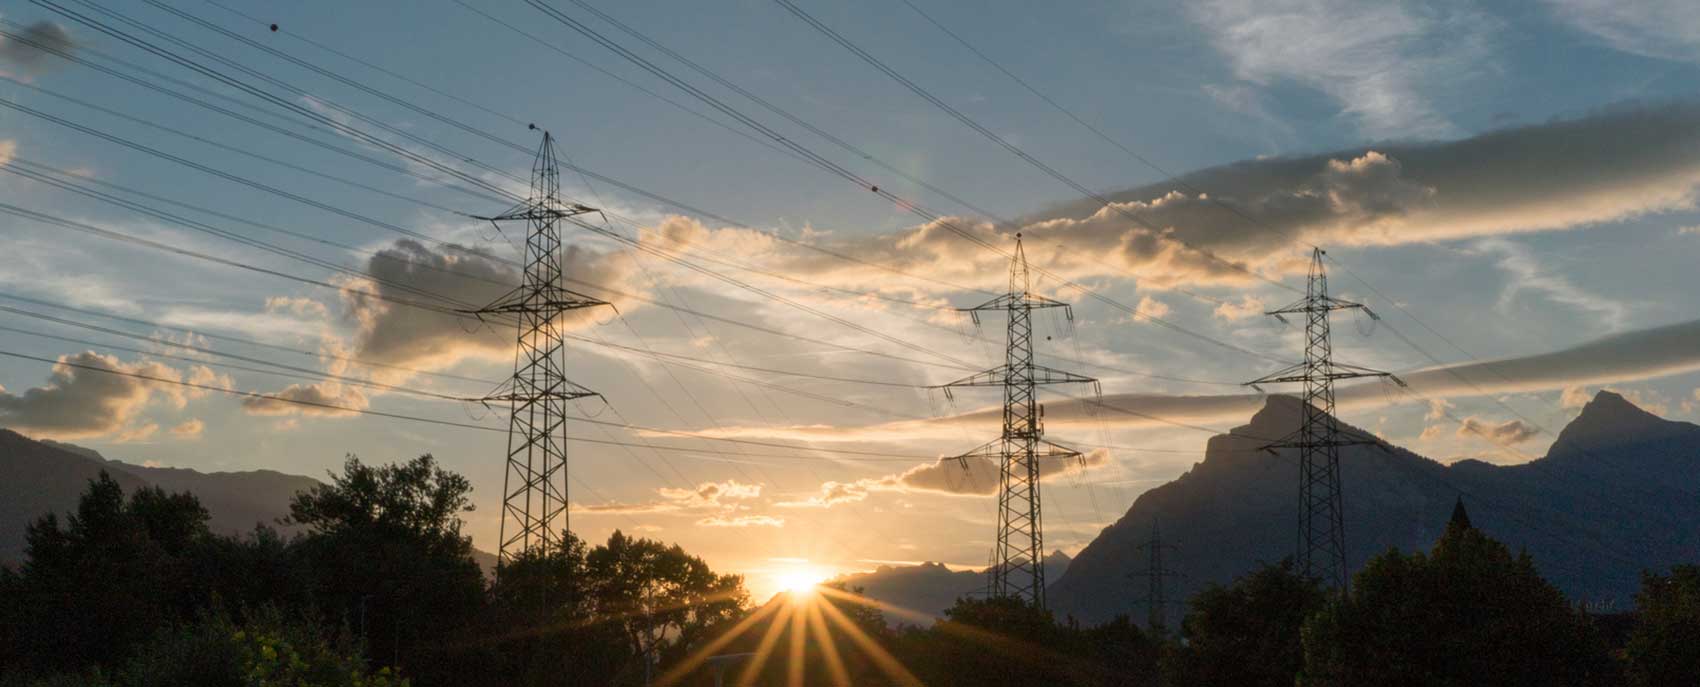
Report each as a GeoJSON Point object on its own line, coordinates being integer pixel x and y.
{"type": "Point", "coordinates": [1592, 513]}
{"type": "Point", "coordinates": [38, 477]}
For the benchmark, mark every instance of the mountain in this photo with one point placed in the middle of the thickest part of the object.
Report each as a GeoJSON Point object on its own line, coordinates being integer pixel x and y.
{"type": "Point", "coordinates": [39, 477]}
{"type": "Point", "coordinates": [930, 588]}
{"type": "Point", "coordinates": [1614, 495]}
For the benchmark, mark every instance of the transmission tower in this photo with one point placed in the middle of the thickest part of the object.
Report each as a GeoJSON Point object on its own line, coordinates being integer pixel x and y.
{"type": "Point", "coordinates": [534, 486]}
{"type": "Point", "coordinates": [1156, 599]}
{"type": "Point", "coordinates": [1322, 529]}
{"type": "Point", "coordinates": [1018, 560]}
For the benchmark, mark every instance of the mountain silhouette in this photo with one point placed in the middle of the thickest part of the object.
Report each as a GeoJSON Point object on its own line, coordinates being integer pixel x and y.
{"type": "Point", "coordinates": [1614, 495]}
{"type": "Point", "coordinates": [930, 588]}
{"type": "Point", "coordinates": [41, 477]}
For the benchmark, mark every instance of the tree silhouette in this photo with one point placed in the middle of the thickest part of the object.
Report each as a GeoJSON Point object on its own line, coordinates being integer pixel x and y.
{"type": "Point", "coordinates": [1470, 613]}
{"type": "Point", "coordinates": [385, 554]}
{"type": "Point", "coordinates": [665, 601]}
{"type": "Point", "coordinates": [97, 585]}
{"type": "Point", "coordinates": [1245, 634]}
{"type": "Point", "coordinates": [1665, 646]}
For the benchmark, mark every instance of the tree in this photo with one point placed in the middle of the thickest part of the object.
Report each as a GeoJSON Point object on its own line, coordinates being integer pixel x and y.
{"type": "Point", "coordinates": [384, 553]}
{"type": "Point", "coordinates": [1246, 634]}
{"type": "Point", "coordinates": [1664, 648]}
{"type": "Point", "coordinates": [103, 582]}
{"type": "Point", "coordinates": [664, 600]}
{"type": "Point", "coordinates": [539, 626]}
{"type": "Point", "coordinates": [1470, 613]}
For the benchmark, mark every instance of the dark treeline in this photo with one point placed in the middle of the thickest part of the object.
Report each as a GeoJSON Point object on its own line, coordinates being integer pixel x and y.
{"type": "Point", "coordinates": [383, 590]}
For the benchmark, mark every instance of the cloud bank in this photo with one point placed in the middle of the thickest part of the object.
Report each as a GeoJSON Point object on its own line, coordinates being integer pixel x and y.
{"type": "Point", "coordinates": [1623, 357]}
{"type": "Point", "coordinates": [1614, 164]}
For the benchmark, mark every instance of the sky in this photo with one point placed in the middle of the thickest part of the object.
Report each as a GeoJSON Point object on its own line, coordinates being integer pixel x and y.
{"type": "Point", "coordinates": [1510, 187]}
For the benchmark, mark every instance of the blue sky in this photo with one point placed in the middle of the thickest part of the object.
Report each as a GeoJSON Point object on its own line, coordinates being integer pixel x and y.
{"type": "Point", "coordinates": [1516, 176]}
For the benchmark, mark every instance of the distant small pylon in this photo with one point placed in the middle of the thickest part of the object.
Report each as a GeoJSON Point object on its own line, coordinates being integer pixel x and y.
{"type": "Point", "coordinates": [1156, 596]}
{"type": "Point", "coordinates": [1322, 528]}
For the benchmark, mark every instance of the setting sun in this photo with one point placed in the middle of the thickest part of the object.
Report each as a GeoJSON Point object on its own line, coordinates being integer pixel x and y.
{"type": "Point", "coordinates": [800, 580]}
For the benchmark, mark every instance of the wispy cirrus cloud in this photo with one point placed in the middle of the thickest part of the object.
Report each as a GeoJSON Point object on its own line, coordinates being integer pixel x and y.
{"type": "Point", "coordinates": [1664, 29]}
{"type": "Point", "coordinates": [1527, 274]}
{"type": "Point", "coordinates": [1378, 61]}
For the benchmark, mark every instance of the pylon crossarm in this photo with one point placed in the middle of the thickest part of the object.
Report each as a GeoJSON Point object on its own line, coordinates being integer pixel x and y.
{"type": "Point", "coordinates": [1000, 375]}
{"type": "Point", "coordinates": [1345, 371]}
{"type": "Point", "coordinates": [1055, 450]}
{"type": "Point", "coordinates": [1325, 304]}
{"type": "Point", "coordinates": [993, 449]}
{"type": "Point", "coordinates": [1046, 375]}
{"type": "Point", "coordinates": [550, 395]}
{"type": "Point", "coordinates": [521, 300]}
{"type": "Point", "coordinates": [527, 211]}
{"type": "Point", "coordinates": [1018, 300]}
{"type": "Point", "coordinates": [992, 377]}
{"type": "Point", "coordinates": [1290, 373]}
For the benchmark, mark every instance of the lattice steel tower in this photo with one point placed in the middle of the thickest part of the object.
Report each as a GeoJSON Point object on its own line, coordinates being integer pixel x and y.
{"type": "Point", "coordinates": [534, 487]}
{"type": "Point", "coordinates": [1322, 529]}
{"type": "Point", "coordinates": [1156, 597]}
{"type": "Point", "coordinates": [1018, 567]}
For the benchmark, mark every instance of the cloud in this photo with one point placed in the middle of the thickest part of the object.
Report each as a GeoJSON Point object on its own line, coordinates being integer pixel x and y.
{"type": "Point", "coordinates": [31, 55]}
{"type": "Point", "coordinates": [1151, 307]}
{"type": "Point", "coordinates": [84, 403]}
{"type": "Point", "coordinates": [970, 476]}
{"type": "Point", "coordinates": [711, 494]}
{"type": "Point", "coordinates": [1574, 397]}
{"type": "Point", "coordinates": [1614, 359]}
{"type": "Point", "coordinates": [189, 429]}
{"type": "Point", "coordinates": [1508, 433]}
{"type": "Point", "coordinates": [741, 521]}
{"type": "Point", "coordinates": [1664, 29]}
{"type": "Point", "coordinates": [1437, 409]}
{"type": "Point", "coordinates": [1379, 61]}
{"type": "Point", "coordinates": [395, 334]}
{"type": "Point", "coordinates": [1527, 274]}
{"type": "Point", "coordinates": [714, 497]}
{"type": "Point", "coordinates": [309, 399]}
{"type": "Point", "coordinates": [1247, 306]}
{"type": "Point", "coordinates": [136, 433]}
{"type": "Point", "coordinates": [8, 149]}
{"type": "Point", "coordinates": [831, 494]}
{"type": "Point", "coordinates": [1208, 226]}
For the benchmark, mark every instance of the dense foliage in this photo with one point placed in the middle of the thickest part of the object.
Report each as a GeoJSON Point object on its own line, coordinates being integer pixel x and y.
{"type": "Point", "coordinates": [1470, 612]}
{"type": "Point", "coordinates": [382, 590]}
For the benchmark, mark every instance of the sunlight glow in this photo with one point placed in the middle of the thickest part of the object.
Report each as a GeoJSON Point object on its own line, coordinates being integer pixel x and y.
{"type": "Point", "coordinates": [800, 580]}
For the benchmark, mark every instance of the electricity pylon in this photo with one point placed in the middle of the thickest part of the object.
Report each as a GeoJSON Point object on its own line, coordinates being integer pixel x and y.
{"type": "Point", "coordinates": [1018, 560]}
{"type": "Point", "coordinates": [1322, 528]}
{"type": "Point", "coordinates": [534, 486]}
{"type": "Point", "coordinates": [1156, 598]}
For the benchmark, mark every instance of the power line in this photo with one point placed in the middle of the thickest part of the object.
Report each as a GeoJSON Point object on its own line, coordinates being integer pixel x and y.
{"type": "Point", "coordinates": [847, 174]}
{"type": "Point", "coordinates": [995, 138]}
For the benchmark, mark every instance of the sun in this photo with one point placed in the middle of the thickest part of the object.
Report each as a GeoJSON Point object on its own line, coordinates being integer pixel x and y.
{"type": "Point", "coordinates": [800, 580]}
